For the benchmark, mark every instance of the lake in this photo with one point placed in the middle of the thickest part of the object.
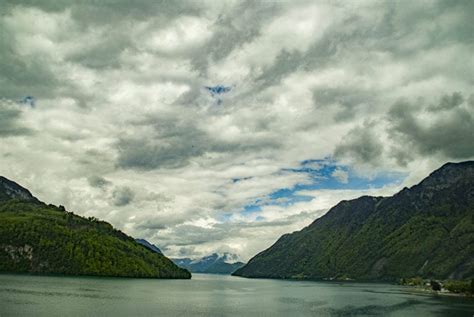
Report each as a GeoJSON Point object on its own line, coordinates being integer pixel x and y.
{"type": "Point", "coordinates": [216, 295]}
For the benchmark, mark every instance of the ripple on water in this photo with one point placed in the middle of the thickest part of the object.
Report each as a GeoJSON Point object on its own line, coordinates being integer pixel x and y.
{"type": "Point", "coordinates": [55, 293]}
{"type": "Point", "coordinates": [369, 310]}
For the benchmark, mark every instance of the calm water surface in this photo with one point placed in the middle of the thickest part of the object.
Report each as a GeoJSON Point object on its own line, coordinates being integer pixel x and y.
{"type": "Point", "coordinates": [215, 295]}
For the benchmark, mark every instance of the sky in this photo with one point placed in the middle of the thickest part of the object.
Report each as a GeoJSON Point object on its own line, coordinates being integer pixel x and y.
{"type": "Point", "coordinates": [218, 126]}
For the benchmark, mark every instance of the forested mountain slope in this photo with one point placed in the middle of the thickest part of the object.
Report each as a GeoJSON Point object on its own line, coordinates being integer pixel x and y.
{"type": "Point", "coordinates": [426, 230]}
{"type": "Point", "coordinates": [45, 239]}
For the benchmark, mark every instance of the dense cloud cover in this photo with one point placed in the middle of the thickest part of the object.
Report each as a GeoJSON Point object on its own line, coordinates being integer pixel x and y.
{"type": "Point", "coordinates": [329, 100]}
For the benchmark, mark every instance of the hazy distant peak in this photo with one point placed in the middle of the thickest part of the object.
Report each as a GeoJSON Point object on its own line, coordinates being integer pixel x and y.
{"type": "Point", "coordinates": [149, 245]}
{"type": "Point", "coordinates": [223, 263]}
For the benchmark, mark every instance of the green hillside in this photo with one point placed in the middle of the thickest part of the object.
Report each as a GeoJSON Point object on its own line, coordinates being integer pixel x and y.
{"type": "Point", "coordinates": [427, 231]}
{"type": "Point", "coordinates": [45, 239]}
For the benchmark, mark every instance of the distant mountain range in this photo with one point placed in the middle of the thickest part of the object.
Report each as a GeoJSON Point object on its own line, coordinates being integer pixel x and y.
{"type": "Point", "coordinates": [45, 239]}
{"type": "Point", "coordinates": [214, 264]}
{"type": "Point", "coordinates": [426, 230]}
{"type": "Point", "coordinates": [225, 263]}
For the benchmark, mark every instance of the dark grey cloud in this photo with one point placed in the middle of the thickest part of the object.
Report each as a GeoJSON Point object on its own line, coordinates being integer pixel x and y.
{"type": "Point", "coordinates": [104, 54]}
{"type": "Point", "coordinates": [26, 74]}
{"type": "Point", "coordinates": [107, 12]}
{"type": "Point", "coordinates": [96, 160]}
{"type": "Point", "coordinates": [349, 100]}
{"type": "Point", "coordinates": [233, 29]}
{"type": "Point", "coordinates": [145, 154]}
{"type": "Point", "coordinates": [175, 152]}
{"type": "Point", "coordinates": [414, 129]}
{"type": "Point", "coordinates": [152, 225]}
{"type": "Point", "coordinates": [122, 196]}
{"type": "Point", "coordinates": [33, 74]}
{"type": "Point", "coordinates": [448, 102]}
{"type": "Point", "coordinates": [388, 30]}
{"type": "Point", "coordinates": [361, 145]}
{"type": "Point", "coordinates": [172, 145]}
{"type": "Point", "coordinates": [185, 235]}
{"type": "Point", "coordinates": [116, 18]}
{"type": "Point", "coordinates": [174, 141]}
{"type": "Point", "coordinates": [285, 63]}
{"type": "Point", "coordinates": [185, 251]}
{"type": "Point", "coordinates": [10, 124]}
{"type": "Point", "coordinates": [20, 76]}
{"type": "Point", "coordinates": [449, 132]}
{"type": "Point", "coordinates": [98, 181]}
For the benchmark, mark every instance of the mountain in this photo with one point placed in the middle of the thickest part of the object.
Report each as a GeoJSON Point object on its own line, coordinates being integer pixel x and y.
{"type": "Point", "coordinates": [45, 239]}
{"type": "Point", "coordinates": [214, 263]}
{"type": "Point", "coordinates": [150, 246]}
{"type": "Point", "coordinates": [11, 190]}
{"type": "Point", "coordinates": [426, 230]}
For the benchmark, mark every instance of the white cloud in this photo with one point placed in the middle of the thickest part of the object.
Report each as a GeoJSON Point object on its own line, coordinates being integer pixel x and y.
{"type": "Point", "coordinates": [181, 34]}
{"type": "Point", "coordinates": [341, 175]}
{"type": "Point", "coordinates": [296, 29]}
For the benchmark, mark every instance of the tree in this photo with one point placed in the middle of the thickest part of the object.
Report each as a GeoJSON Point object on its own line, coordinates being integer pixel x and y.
{"type": "Point", "coordinates": [435, 285]}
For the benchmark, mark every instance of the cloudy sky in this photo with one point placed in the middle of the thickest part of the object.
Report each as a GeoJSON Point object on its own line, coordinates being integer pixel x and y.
{"type": "Point", "coordinates": [208, 126]}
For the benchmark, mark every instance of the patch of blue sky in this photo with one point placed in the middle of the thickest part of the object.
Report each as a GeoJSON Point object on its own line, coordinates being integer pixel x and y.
{"type": "Point", "coordinates": [286, 197]}
{"type": "Point", "coordinates": [236, 180]}
{"type": "Point", "coordinates": [224, 216]}
{"type": "Point", "coordinates": [218, 90]}
{"type": "Point", "coordinates": [28, 100]}
{"type": "Point", "coordinates": [251, 209]}
{"type": "Point", "coordinates": [321, 176]}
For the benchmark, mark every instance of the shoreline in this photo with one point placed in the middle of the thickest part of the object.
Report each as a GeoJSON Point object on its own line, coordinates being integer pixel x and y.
{"type": "Point", "coordinates": [417, 289]}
